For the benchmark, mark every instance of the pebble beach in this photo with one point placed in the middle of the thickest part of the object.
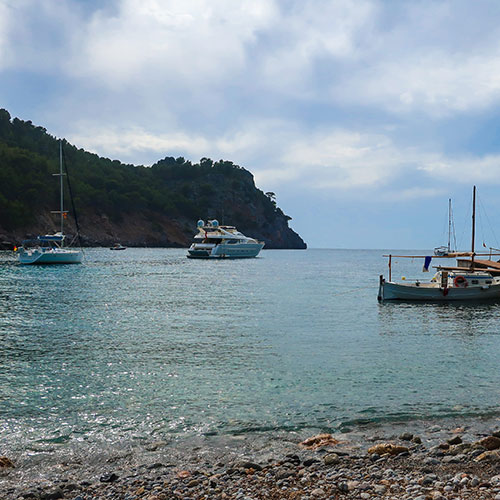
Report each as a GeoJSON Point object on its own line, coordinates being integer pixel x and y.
{"type": "Point", "coordinates": [438, 463]}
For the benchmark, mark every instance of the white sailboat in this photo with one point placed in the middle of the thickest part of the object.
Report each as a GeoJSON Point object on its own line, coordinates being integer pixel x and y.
{"type": "Point", "coordinates": [470, 280]}
{"type": "Point", "coordinates": [444, 251]}
{"type": "Point", "coordinates": [49, 248]}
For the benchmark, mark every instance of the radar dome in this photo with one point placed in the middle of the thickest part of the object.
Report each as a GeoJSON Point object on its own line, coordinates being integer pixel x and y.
{"type": "Point", "coordinates": [215, 223]}
{"type": "Point", "coordinates": [200, 223]}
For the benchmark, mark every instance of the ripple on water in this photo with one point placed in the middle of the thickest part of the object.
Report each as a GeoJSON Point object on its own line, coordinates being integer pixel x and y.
{"type": "Point", "coordinates": [148, 345]}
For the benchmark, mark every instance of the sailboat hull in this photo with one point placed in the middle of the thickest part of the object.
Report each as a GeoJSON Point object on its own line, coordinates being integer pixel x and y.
{"type": "Point", "coordinates": [42, 256]}
{"type": "Point", "coordinates": [399, 291]}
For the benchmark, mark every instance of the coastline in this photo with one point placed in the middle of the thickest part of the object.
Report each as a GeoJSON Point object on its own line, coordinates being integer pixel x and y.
{"type": "Point", "coordinates": [434, 460]}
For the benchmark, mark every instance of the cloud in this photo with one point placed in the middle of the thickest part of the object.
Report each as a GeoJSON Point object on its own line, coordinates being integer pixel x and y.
{"type": "Point", "coordinates": [439, 84]}
{"type": "Point", "coordinates": [122, 143]}
{"type": "Point", "coordinates": [422, 57]}
{"type": "Point", "coordinates": [172, 44]}
{"type": "Point", "coordinates": [6, 52]}
{"type": "Point", "coordinates": [467, 169]}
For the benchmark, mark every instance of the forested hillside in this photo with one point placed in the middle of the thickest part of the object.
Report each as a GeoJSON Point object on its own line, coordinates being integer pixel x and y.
{"type": "Point", "coordinates": [137, 205]}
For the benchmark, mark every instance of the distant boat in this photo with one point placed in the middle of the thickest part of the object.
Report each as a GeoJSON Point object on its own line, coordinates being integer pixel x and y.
{"type": "Point", "coordinates": [118, 246]}
{"type": "Point", "coordinates": [222, 242]}
{"type": "Point", "coordinates": [49, 248]}
{"type": "Point", "coordinates": [444, 251]}
{"type": "Point", "coordinates": [470, 280]}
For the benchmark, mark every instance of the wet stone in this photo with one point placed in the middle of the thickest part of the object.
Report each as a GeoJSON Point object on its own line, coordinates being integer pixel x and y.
{"type": "Point", "coordinates": [52, 494]}
{"type": "Point", "coordinates": [108, 478]}
{"type": "Point", "coordinates": [406, 436]}
{"type": "Point", "coordinates": [454, 440]}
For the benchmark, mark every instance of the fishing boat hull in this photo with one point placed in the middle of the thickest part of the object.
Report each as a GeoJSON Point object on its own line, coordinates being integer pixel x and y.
{"type": "Point", "coordinates": [434, 293]}
{"type": "Point", "coordinates": [42, 256]}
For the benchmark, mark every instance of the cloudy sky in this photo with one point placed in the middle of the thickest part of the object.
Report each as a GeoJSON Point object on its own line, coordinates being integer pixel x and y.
{"type": "Point", "coordinates": [363, 116]}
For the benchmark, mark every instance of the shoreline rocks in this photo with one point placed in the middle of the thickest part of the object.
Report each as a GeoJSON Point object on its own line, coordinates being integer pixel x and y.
{"type": "Point", "coordinates": [399, 468]}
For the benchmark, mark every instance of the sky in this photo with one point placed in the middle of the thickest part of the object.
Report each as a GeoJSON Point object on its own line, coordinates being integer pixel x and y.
{"type": "Point", "coordinates": [363, 116]}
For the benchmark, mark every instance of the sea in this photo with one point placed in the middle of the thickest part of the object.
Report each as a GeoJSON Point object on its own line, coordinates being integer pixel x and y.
{"type": "Point", "coordinates": [144, 350]}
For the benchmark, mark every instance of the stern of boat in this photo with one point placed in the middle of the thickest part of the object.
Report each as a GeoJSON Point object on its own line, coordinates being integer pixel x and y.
{"type": "Point", "coordinates": [381, 284]}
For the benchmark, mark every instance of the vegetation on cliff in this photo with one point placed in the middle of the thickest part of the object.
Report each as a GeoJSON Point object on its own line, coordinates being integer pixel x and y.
{"type": "Point", "coordinates": [163, 201]}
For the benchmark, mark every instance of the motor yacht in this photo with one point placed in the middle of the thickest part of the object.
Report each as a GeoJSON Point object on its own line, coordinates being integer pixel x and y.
{"type": "Point", "coordinates": [222, 242]}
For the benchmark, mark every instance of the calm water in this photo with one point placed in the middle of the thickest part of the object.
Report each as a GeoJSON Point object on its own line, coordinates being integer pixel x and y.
{"type": "Point", "coordinates": [146, 344]}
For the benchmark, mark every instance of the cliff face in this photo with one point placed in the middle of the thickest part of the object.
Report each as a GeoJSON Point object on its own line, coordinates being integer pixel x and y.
{"type": "Point", "coordinates": [134, 205]}
{"type": "Point", "coordinates": [156, 230]}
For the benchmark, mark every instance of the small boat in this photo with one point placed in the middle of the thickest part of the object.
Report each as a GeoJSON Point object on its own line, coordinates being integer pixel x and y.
{"type": "Point", "coordinates": [50, 249]}
{"type": "Point", "coordinates": [222, 242]}
{"type": "Point", "coordinates": [470, 280]}
{"type": "Point", "coordinates": [445, 286]}
{"type": "Point", "coordinates": [444, 251]}
{"type": "Point", "coordinates": [118, 246]}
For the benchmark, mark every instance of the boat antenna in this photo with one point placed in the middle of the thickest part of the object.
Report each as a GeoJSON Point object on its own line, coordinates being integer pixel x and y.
{"type": "Point", "coordinates": [63, 157]}
{"type": "Point", "coordinates": [473, 225]}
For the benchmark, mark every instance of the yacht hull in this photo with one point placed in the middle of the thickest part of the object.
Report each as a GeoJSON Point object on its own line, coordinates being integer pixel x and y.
{"type": "Point", "coordinates": [53, 256]}
{"type": "Point", "coordinates": [397, 291]}
{"type": "Point", "coordinates": [230, 251]}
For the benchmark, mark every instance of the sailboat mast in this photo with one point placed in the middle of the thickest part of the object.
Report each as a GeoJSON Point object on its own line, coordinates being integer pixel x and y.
{"type": "Point", "coordinates": [61, 186]}
{"type": "Point", "coordinates": [473, 225]}
{"type": "Point", "coordinates": [449, 225]}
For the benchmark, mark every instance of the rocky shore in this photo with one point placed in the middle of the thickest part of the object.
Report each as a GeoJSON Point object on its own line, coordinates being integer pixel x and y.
{"type": "Point", "coordinates": [454, 463]}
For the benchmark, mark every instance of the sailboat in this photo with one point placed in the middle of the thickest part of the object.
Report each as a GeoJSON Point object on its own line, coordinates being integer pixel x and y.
{"type": "Point", "coordinates": [49, 248]}
{"type": "Point", "coordinates": [471, 279]}
{"type": "Point", "coordinates": [444, 251]}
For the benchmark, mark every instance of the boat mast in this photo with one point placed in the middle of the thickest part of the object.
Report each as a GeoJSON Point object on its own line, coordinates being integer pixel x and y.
{"type": "Point", "coordinates": [473, 225]}
{"type": "Point", "coordinates": [61, 187]}
{"type": "Point", "coordinates": [449, 225]}
{"type": "Point", "coordinates": [61, 211]}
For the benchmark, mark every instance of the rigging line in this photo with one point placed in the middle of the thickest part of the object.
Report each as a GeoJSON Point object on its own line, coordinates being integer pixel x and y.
{"type": "Point", "coordinates": [71, 198]}
{"type": "Point", "coordinates": [489, 222]}
{"type": "Point", "coordinates": [465, 227]}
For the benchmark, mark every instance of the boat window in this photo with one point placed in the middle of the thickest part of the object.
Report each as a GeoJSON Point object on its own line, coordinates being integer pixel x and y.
{"type": "Point", "coordinates": [474, 282]}
{"type": "Point", "coordinates": [488, 282]}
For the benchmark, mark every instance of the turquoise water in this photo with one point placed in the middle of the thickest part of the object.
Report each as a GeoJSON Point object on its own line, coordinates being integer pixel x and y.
{"type": "Point", "coordinates": [146, 344]}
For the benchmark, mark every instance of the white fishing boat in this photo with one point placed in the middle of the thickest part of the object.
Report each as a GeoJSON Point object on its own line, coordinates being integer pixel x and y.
{"type": "Point", "coordinates": [50, 249]}
{"type": "Point", "coordinates": [470, 280]}
{"type": "Point", "coordinates": [445, 250]}
{"type": "Point", "coordinates": [222, 242]}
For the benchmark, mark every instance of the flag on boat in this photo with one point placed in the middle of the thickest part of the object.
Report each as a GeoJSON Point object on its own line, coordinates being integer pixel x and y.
{"type": "Point", "coordinates": [427, 263]}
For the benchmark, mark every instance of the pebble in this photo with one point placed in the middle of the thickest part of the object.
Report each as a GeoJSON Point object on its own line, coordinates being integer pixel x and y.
{"type": "Point", "coordinates": [415, 474]}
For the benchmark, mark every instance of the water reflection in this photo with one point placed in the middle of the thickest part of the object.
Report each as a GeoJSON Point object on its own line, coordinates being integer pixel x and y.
{"type": "Point", "coordinates": [464, 318]}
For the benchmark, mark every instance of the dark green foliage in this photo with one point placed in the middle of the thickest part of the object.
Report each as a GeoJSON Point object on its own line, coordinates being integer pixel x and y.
{"type": "Point", "coordinates": [172, 187]}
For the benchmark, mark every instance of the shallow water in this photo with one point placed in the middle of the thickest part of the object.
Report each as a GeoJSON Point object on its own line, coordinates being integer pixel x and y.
{"type": "Point", "coordinates": [146, 345]}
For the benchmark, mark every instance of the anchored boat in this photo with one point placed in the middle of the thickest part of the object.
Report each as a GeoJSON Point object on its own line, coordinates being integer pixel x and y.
{"type": "Point", "coordinates": [222, 242]}
{"type": "Point", "coordinates": [470, 280]}
{"type": "Point", "coordinates": [445, 251]}
{"type": "Point", "coordinates": [50, 249]}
